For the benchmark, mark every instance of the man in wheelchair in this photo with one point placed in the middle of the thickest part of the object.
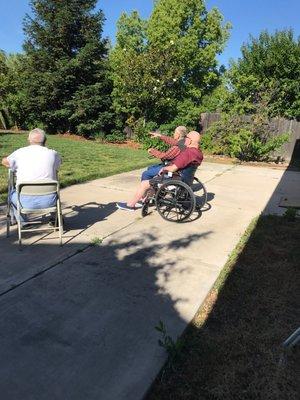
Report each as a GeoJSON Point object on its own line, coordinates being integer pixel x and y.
{"type": "Point", "coordinates": [187, 161]}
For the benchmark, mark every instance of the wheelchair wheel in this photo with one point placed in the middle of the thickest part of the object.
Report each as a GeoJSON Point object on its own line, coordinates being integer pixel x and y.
{"type": "Point", "coordinates": [175, 201]}
{"type": "Point", "coordinates": [201, 196]}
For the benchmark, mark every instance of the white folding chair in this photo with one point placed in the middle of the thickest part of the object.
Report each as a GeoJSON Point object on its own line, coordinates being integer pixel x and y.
{"type": "Point", "coordinates": [39, 188]}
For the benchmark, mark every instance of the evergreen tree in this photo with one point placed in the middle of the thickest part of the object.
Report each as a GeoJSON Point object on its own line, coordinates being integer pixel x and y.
{"type": "Point", "coordinates": [67, 85]}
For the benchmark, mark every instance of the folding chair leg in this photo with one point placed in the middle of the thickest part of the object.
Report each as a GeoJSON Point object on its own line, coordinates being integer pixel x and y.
{"type": "Point", "coordinates": [60, 221]}
{"type": "Point", "coordinates": [8, 221]}
{"type": "Point", "coordinates": [19, 233]}
{"type": "Point", "coordinates": [8, 212]}
{"type": "Point", "coordinates": [19, 225]}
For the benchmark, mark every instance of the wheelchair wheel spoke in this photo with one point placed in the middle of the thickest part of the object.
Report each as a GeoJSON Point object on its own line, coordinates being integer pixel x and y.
{"type": "Point", "coordinates": [175, 201]}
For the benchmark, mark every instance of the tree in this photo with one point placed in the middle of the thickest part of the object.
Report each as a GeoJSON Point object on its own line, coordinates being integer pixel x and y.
{"type": "Point", "coordinates": [267, 76]}
{"type": "Point", "coordinates": [67, 85]}
{"type": "Point", "coordinates": [11, 94]}
{"type": "Point", "coordinates": [3, 73]}
{"type": "Point", "coordinates": [127, 66]}
{"type": "Point", "coordinates": [171, 64]}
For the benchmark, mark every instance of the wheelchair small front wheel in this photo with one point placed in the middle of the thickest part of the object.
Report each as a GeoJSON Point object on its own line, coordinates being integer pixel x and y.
{"type": "Point", "coordinates": [175, 201]}
{"type": "Point", "coordinates": [145, 209]}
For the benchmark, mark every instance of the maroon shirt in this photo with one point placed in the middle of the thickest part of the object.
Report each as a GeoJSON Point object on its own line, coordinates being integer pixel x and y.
{"type": "Point", "coordinates": [189, 156]}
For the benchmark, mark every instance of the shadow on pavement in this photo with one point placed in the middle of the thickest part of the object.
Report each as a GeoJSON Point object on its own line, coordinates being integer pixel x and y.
{"type": "Point", "coordinates": [85, 328]}
{"type": "Point", "coordinates": [85, 215]}
{"type": "Point", "coordinates": [295, 159]}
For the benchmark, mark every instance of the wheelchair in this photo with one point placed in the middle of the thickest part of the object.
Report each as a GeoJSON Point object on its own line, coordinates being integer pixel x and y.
{"type": "Point", "coordinates": [173, 196]}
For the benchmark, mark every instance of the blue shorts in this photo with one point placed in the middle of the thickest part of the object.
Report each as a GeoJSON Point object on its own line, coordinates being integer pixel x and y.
{"type": "Point", "coordinates": [33, 202]}
{"type": "Point", "coordinates": [151, 172]}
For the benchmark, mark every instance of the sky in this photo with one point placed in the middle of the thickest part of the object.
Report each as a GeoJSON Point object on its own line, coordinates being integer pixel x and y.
{"type": "Point", "coordinates": [246, 16]}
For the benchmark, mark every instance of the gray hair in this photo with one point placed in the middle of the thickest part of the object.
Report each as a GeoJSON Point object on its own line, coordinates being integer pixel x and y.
{"type": "Point", "coordinates": [37, 136]}
{"type": "Point", "coordinates": [182, 131]}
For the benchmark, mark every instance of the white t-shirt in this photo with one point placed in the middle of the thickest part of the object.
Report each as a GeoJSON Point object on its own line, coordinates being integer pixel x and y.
{"type": "Point", "coordinates": [34, 162]}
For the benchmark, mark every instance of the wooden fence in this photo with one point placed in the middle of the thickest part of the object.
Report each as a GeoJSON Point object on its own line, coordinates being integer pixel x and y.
{"type": "Point", "coordinates": [277, 127]}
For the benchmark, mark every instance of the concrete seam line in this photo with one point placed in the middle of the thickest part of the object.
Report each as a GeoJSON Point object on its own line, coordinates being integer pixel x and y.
{"type": "Point", "coordinates": [112, 188]}
{"type": "Point", "coordinates": [121, 229]}
{"type": "Point", "coordinates": [220, 174]}
{"type": "Point", "coordinates": [77, 252]}
{"type": "Point", "coordinates": [80, 250]}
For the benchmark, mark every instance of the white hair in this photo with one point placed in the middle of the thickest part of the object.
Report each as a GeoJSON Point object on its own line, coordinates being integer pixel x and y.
{"type": "Point", "coordinates": [37, 136]}
{"type": "Point", "coordinates": [182, 131]}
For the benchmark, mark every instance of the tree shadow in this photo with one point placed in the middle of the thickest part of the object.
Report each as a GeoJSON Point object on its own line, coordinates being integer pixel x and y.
{"type": "Point", "coordinates": [84, 328]}
{"type": "Point", "coordinates": [83, 216]}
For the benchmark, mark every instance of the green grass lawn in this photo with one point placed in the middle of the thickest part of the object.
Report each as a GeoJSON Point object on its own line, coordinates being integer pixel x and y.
{"type": "Point", "coordinates": [233, 350]}
{"type": "Point", "coordinates": [82, 160]}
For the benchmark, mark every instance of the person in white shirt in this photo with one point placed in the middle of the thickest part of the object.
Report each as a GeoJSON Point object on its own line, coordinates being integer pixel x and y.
{"type": "Point", "coordinates": [33, 163]}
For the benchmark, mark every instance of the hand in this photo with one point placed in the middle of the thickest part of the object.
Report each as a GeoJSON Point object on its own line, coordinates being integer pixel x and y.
{"type": "Point", "coordinates": [155, 134]}
{"type": "Point", "coordinates": [149, 151]}
{"type": "Point", "coordinates": [5, 162]}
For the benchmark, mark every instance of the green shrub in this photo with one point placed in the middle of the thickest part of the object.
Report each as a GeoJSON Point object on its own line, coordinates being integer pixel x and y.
{"type": "Point", "coordinates": [168, 129]}
{"type": "Point", "coordinates": [290, 214]}
{"type": "Point", "coordinates": [141, 131]}
{"type": "Point", "coordinates": [247, 145]}
{"type": "Point", "coordinates": [250, 140]}
{"type": "Point", "coordinates": [98, 135]}
{"type": "Point", "coordinates": [115, 137]}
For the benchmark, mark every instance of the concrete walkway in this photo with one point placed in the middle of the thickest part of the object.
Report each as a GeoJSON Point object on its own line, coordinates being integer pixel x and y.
{"type": "Point", "coordinates": [77, 322]}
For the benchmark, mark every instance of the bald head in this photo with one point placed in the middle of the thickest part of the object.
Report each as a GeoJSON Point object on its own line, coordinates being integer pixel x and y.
{"type": "Point", "coordinates": [194, 138]}
{"type": "Point", "coordinates": [37, 136]}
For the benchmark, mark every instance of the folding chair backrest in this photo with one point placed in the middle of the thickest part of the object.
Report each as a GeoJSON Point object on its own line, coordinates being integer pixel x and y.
{"type": "Point", "coordinates": [38, 188]}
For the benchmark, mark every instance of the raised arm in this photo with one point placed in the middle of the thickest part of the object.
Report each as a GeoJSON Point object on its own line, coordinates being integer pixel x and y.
{"type": "Point", "coordinates": [171, 153]}
{"type": "Point", "coordinates": [167, 139]}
